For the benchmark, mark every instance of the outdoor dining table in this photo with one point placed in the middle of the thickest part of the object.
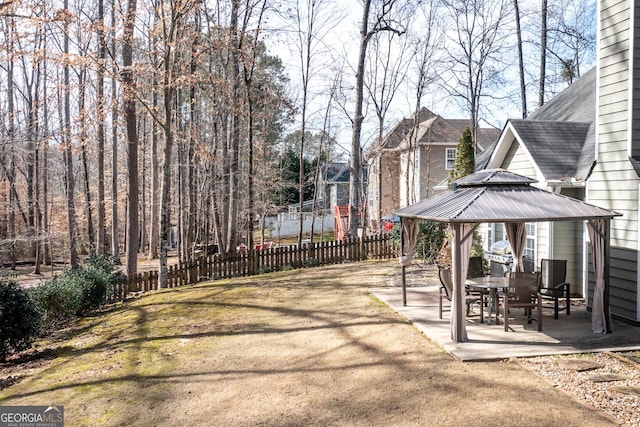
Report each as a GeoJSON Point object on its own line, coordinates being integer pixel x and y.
{"type": "Point", "coordinates": [491, 284]}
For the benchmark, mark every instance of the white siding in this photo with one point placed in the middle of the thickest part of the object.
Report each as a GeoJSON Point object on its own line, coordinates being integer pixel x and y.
{"type": "Point", "coordinates": [614, 183]}
{"type": "Point", "coordinates": [516, 160]}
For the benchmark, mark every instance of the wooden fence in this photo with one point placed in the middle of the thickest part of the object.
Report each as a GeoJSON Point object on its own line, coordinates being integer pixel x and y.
{"type": "Point", "coordinates": [252, 262]}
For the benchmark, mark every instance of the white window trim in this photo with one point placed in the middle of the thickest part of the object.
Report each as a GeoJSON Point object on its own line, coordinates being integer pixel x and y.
{"type": "Point", "coordinates": [446, 158]}
{"type": "Point", "coordinates": [531, 242]}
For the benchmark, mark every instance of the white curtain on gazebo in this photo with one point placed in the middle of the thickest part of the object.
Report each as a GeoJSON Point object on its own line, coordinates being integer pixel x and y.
{"type": "Point", "coordinates": [597, 236]}
{"type": "Point", "coordinates": [463, 238]}
{"type": "Point", "coordinates": [517, 237]}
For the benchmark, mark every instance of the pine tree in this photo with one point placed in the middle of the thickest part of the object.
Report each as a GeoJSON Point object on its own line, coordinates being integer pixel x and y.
{"type": "Point", "coordinates": [465, 157]}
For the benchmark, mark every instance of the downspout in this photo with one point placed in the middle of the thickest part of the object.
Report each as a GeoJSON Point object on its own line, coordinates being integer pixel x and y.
{"type": "Point", "coordinates": [552, 225]}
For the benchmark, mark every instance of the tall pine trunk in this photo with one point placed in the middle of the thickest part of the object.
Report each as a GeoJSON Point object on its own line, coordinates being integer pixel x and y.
{"type": "Point", "coordinates": [68, 152]}
{"type": "Point", "coordinates": [132, 139]}
{"type": "Point", "coordinates": [100, 134]}
{"type": "Point", "coordinates": [115, 231]}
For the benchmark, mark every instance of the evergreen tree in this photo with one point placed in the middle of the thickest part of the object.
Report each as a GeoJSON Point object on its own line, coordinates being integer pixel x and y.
{"type": "Point", "coordinates": [465, 157]}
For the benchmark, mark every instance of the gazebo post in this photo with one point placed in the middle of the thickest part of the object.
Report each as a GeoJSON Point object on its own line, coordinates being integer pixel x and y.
{"type": "Point", "coordinates": [456, 268]}
{"type": "Point", "coordinates": [607, 254]}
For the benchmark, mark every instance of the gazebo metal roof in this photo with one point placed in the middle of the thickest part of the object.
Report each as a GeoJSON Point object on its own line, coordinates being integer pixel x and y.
{"type": "Point", "coordinates": [497, 195]}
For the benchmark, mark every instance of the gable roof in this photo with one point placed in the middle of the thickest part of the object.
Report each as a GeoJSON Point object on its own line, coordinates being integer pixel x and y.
{"type": "Point", "coordinates": [556, 147]}
{"type": "Point", "coordinates": [339, 173]}
{"type": "Point", "coordinates": [560, 136]}
{"type": "Point", "coordinates": [398, 133]}
{"type": "Point", "coordinates": [432, 128]}
{"type": "Point", "coordinates": [336, 172]}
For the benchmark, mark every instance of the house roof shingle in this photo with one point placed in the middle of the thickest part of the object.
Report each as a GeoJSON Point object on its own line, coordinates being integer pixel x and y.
{"type": "Point", "coordinates": [560, 135]}
{"type": "Point", "coordinates": [432, 128]}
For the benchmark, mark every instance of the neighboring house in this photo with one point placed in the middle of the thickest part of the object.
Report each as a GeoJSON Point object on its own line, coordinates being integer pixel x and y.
{"type": "Point", "coordinates": [334, 184]}
{"type": "Point", "coordinates": [408, 162]}
{"type": "Point", "coordinates": [585, 143]}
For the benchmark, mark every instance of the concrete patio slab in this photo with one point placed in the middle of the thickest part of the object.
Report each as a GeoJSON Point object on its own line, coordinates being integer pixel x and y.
{"type": "Point", "coordinates": [566, 335]}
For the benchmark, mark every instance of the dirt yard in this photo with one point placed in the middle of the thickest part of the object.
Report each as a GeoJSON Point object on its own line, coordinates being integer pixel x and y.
{"type": "Point", "coordinates": [306, 347]}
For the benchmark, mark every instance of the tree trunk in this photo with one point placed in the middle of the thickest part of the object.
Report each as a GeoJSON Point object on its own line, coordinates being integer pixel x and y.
{"type": "Point", "coordinates": [191, 176]}
{"type": "Point", "coordinates": [165, 189]}
{"type": "Point", "coordinates": [45, 161]}
{"type": "Point", "coordinates": [523, 88]}
{"type": "Point", "coordinates": [115, 241]}
{"type": "Point", "coordinates": [132, 139]}
{"type": "Point", "coordinates": [154, 223]}
{"type": "Point", "coordinates": [11, 169]}
{"type": "Point", "coordinates": [68, 152]}
{"type": "Point", "coordinates": [231, 238]}
{"type": "Point", "coordinates": [355, 167]}
{"type": "Point", "coordinates": [543, 53]}
{"type": "Point", "coordinates": [101, 243]}
{"type": "Point", "coordinates": [85, 163]}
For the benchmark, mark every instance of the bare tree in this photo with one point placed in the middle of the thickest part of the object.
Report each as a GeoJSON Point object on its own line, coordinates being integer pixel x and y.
{"type": "Point", "coordinates": [523, 87]}
{"type": "Point", "coordinates": [572, 36]}
{"type": "Point", "coordinates": [310, 19]}
{"type": "Point", "coordinates": [129, 86]}
{"type": "Point", "coordinates": [101, 243]}
{"type": "Point", "coordinates": [383, 18]}
{"type": "Point", "coordinates": [476, 56]}
{"type": "Point", "coordinates": [543, 52]}
{"type": "Point", "coordinates": [115, 231]}
{"type": "Point", "coordinates": [68, 148]}
{"type": "Point", "coordinates": [426, 41]}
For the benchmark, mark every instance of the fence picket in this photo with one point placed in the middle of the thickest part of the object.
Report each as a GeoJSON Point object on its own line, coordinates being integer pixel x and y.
{"type": "Point", "coordinates": [252, 262]}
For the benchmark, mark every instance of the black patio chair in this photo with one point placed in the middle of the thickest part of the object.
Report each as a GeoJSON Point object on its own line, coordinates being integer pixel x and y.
{"type": "Point", "coordinates": [553, 285]}
{"type": "Point", "coordinates": [522, 293]}
{"type": "Point", "coordinates": [476, 267]}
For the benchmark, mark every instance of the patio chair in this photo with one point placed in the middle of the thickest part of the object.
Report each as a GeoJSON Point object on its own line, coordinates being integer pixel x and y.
{"type": "Point", "coordinates": [522, 293]}
{"type": "Point", "coordinates": [553, 285]}
{"type": "Point", "coordinates": [476, 267]}
{"type": "Point", "coordinates": [446, 292]}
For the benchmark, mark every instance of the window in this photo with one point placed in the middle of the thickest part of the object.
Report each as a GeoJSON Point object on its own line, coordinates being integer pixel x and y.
{"type": "Point", "coordinates": [450, 158]}
{"type": "Point", "coordinates": [530, 247]}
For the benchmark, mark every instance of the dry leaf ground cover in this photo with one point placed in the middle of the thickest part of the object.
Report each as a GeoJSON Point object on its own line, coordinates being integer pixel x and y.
{"type": "Point", "coordinates": [306, 347]}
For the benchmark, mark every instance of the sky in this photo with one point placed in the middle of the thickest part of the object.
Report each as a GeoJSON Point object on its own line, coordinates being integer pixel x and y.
{"type": "Point", "coordinates": [336, 47]}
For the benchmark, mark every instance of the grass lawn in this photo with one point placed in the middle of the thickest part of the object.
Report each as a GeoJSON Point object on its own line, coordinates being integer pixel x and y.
{"type": "Point", "coordinates": [299, 347]}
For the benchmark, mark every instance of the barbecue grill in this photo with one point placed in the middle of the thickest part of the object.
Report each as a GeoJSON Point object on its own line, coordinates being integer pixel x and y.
{"type": "Point", "coordinates": [499, 257]}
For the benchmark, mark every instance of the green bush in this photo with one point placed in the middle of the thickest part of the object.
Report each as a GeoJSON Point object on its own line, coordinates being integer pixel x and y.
{"type": "Point", "coordinates": [77, 291]}
{"type": "Point", "coordinates": [311, 262]}
{"type": "Point", "coordinates": [19, 319]}
{"type": "Point", "coordinates": [59, 299]}
{"type": "Point", "coordinates": [93, 283]}
{"type": "Point", "coordinates": [108, 265]}
{"type": "Point", "coordinates": [431, 236]}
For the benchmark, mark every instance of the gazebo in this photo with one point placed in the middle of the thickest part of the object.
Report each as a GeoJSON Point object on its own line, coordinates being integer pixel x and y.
{"type": "Point", "coordinates": [497, 195]}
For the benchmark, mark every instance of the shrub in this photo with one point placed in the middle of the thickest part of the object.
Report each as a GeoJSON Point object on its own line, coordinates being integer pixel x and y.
{"type": "Point", "coordinates": [431, 237]}
{"type": "Point", "coordinates": [19, 319]}
{"type": "Point", "coordinates": [109, 266]}
{"type": "Point", "coordinates": [59, 299]}
{"type": "Point", "coordinates": [311, 262]}
{"type": "Point", "coordinates": [265, 269]}
{"type": "Point", "coordinates": [93, 283]}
